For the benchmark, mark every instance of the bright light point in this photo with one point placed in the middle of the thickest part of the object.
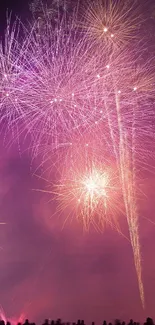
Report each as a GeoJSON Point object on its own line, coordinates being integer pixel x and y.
{"type": "Point", "coordinates": [5, 75]}
{"type": "Point", "coordinates": [90, 185]}
{"type": "Point", "coordinates": [112, 35]}
{"type": "Point", "coordinates": [86, 144]}
{"type": "Point", "coordinates": [135, 88]}
{"type": "Point", "coordinates": [74, 105]}
{"type": "Point", "coordinates": [70, 143]}
{"type": "Point", "coordinates": [96, 185]}
{"type": "Point", "coordinates": [107, 66]}
{"type": "Point", "coordinates": [101, 112]}
{"type": "Point", "coordinates": [55, 99]}
{"type": "Point", "coordinates": [98, 76]}
{"type": "Point", "coordinates": [7, 95]}
{"type": "Point", "coordinates": [72, 94]}
{"type": "Point", "coordinates": [119, 91]}
{"type": "Point", "coordinates": [96, 122]}
{"type": "Point", "coordinates": [93, 187]}
{"type": "Point", "coordinates": [105, 30]}
{"type": "Point", "coordinates": [60, 100]}
{"type": "Point", "coordinates": [15, 99]}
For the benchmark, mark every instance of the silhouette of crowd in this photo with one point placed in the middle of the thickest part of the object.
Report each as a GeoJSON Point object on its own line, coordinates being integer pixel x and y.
{"type": "Point", "coordinates": [148, 321]}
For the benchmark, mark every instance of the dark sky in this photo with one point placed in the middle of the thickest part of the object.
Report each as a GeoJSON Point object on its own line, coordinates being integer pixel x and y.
{"type": "Point", "coordinates": [49, 272]}
{"type": "Point", "coordinates": [18, 8]}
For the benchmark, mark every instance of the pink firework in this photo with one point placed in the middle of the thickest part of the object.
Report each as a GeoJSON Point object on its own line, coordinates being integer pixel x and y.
{"type": "Point", "coordinates": [12, 320]}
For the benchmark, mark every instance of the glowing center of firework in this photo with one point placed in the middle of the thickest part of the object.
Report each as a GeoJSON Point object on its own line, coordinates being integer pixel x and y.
{"type": "Point", "coordinates": [96, 185]}
{"type": "Point", "coordinates": [90, 185]}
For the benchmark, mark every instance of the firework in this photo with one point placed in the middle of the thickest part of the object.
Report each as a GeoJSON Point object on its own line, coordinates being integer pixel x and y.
{"type": "Point", "coordinates": [92, 195]}
{"type": "Point", "coordinates": [88, 188]}
{"type": "Point", "coordinates": [109, 100]}
{"type": "Point", "coordinates": [12, 320]}
{"type": "Point", "coordinates": [111, 22]}
{"type": "Point", "coordinates": [10, 70]}
{"type": "Point", "coordinates": [54, 84]}
{"type": "Point", "coordinates": [56, 88]}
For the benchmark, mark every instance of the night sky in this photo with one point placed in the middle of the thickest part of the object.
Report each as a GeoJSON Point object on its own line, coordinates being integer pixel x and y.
{"type": "Point", "coordinates": [50, 272]}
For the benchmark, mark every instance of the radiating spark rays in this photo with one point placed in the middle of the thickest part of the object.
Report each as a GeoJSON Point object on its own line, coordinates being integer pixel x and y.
{"type": "Point", "coordinates": [74, 98]}
{"type": "Point", "coordinates": [12, 320]}
{"type": "Point", "coordinates": [90, 186]}
{"type": "Point", "coordinates": [111, 22]}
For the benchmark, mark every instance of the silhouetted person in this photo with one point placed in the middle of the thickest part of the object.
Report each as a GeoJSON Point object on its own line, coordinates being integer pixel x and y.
{"type": "Point", "coordinates": [131, 322]}
{"type": "Point", "coordinates": [8, 323]}
{"type": "Point", "coordinates": [26, 322]}
{"type": "Point", "coordinates": [2, 322]}
{"type": "Point", "coordinates": [93, 323]}
{"type": "Point", "coordinates": [104, 322]}
{"type": "Point", "coordinates": [117, 322]}
{"type": "Point", "coordinates": [58, 322]}
{"type": "Point", "coordinates": [149, 321]}
{"type": "Point", "coordinates": [123, 323]}
{"type": "Point", "coordinates": [52, 322]}
{"type": "Point", "coordinates": [46, 322]}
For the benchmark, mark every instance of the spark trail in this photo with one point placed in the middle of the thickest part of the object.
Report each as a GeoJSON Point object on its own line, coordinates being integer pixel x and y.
{"type": "Point", "coordinates": [127, 173]}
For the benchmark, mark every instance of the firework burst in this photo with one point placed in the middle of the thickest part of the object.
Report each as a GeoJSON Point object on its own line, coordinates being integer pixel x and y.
{"type": "Point", "coordinates": [92, 195]}
{"type": "Point", "coordinates": [88, 188]}
{"type": "Point", "coordinates": [12, 320]}
{"type": "Point", "coordinates": [111, 22]}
